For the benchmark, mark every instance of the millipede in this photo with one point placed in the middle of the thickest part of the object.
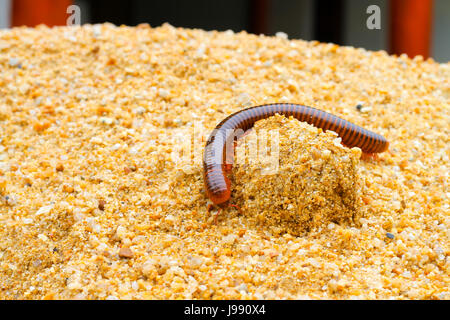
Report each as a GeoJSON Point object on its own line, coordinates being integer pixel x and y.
{"type": "Point", "coordinates": [215, 166]}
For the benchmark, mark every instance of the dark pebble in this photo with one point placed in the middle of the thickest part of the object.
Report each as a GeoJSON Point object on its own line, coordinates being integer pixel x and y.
{"type": "Point", "coordinates": [390, 235]}
{"type": "Point", "coordinates": [101, 204]}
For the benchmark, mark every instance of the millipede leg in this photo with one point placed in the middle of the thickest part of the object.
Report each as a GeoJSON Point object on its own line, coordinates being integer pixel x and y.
{"type": "Point", "coordinates": [235, 206]}
{"type": "Point", "coordinates": [369, 156]}
{"type": "Point", "coordinates": [217, 215]}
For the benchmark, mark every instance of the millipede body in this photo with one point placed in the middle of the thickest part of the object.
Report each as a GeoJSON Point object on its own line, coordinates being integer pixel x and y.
{"type": "Point", "coordinates": [217, 184]}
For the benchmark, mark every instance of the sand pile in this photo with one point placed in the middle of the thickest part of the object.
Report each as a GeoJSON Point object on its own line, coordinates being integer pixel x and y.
{"type": "Point", "coordinates": [92, 205]}
{"type": "Point", "coordinates": [314, 182]}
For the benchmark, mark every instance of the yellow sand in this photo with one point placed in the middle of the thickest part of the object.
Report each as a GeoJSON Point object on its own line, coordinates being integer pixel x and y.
{"type": "Point", "coordinates": [307, 181]}
{"type": "Point", "coordinates": [94, 204]}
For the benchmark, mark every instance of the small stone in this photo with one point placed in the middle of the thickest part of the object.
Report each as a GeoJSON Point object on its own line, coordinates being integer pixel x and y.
{"type": "Point", "coordinates": [366, 109]}
{"type": "Point", "coordinates": [337, 142]}
{"type": "Point", "coordinates": [163, 93]}
{"type": "Point", "coordinates": [125, 252]}
{"type": "Point", "coordinates": [106, 120]}
{"type": "Point", "coordinates": [10, 200]}
{"type": "Point", "coordinates": [116, 146]}
{"type": "Point", "coordinates": [59, 167]}
{"type": "Point", "coordinates": [326, 153]}
{"type": "Point", "coordinates": [201, 50]}
{"type": "Point", "coordinates": [14, 62]}
{"type": "Point", "coordinates": [229, 239]}
{"type": "Point", "coordinates": [170, 218]}
{"type": "Point", "coordinates": [243, 287]}
{"type": "Point", "coordinates": [42, 237]}
{"type": "Point", "coordinates": [97, 30]}
{"type": "Point", "coordinates": [121, 232]}
{"type": "Point", "coordinates": [96, 140]}
{"type": "Point", "coordinates": [68, 188]}
{"type": "Point", "coordinates": [139, 110]}
{"type": "Point", "coordinates": [27, 221]}
{"type": "Point", "coordinates": [244, 99]}
{"type": "Point", "coordinates": [101, 204]}
{"type": "Point", "coordinates": [148, 267]}
{"type": "Point", "coordinates": [281, 35]}
{"type": "Point", "coordinates": [390, 235]}
{"type": "Point", "coordinates": [44, 210]}
{"type": "Point", "coordinates": [37, 263]}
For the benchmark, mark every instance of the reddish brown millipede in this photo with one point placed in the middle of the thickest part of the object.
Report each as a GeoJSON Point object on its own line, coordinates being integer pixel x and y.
{"type": "Point", "coordinates": [217, 184]}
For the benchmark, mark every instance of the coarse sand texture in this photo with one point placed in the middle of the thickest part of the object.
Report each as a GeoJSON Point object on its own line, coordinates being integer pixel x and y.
{"type": "Point", "coordinates": [94, 203]}
{"type": "Point", "coordinates": [314, 182]}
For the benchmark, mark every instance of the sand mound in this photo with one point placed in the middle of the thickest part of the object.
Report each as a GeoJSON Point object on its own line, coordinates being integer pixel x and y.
{"type": "Point", "coordinates": [315, 181]}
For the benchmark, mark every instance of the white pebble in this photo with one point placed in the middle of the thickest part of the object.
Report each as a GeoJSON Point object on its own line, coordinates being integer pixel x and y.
{"type": "Point", "coordinates": [244, 99]}
{"type": "Point", "coordinates": [243, 287]}
{"type": "Point", "coordinates": [170, 218]}
{"type": "Point", "coordinates": [11, 200]}
{"type": "Point", "coordinates": [96, 228]}
{"type": "Point", "coordinates": [44, 210]}
{"type": "Point", "coordinates": [106, 120]}
{"type": "Point", "coordinates": [97, 30]}
{"type": "Point", "coordinates": [281, 35]}
{"type": "Point", "coordinates": [14, 62]}
{"type": "Point", "coordinates": [163, 93]}
{"type": "Point", "coordinates": [229, 239]}
{"type": "Point", "coordinates": [201, 50]}
{"type": "Point", "coordinates": [96, 140]}
{"type": "Point", "coordinates": [27, 221]}
{"type": "Point", "coordinates": [337, 142]}
{"type": "Point", "coordinates": [116, 147]}
{"type": "Point", "coordinates": [139, 110]}
{"type": "Point", "coordinates": [43, 237]}
{"type": "Point", "coordinates": [292, 53]}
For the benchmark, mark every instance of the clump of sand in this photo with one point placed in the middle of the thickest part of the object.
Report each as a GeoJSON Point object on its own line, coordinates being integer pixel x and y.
{"type": "Point", "coordinates": [314, 182]}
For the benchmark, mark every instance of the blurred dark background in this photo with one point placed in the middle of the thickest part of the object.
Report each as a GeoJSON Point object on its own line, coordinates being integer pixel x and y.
{"type": "Point", "coordinates": [322, 20]}
{"type": "Point", "coordinates": [407, 26]}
